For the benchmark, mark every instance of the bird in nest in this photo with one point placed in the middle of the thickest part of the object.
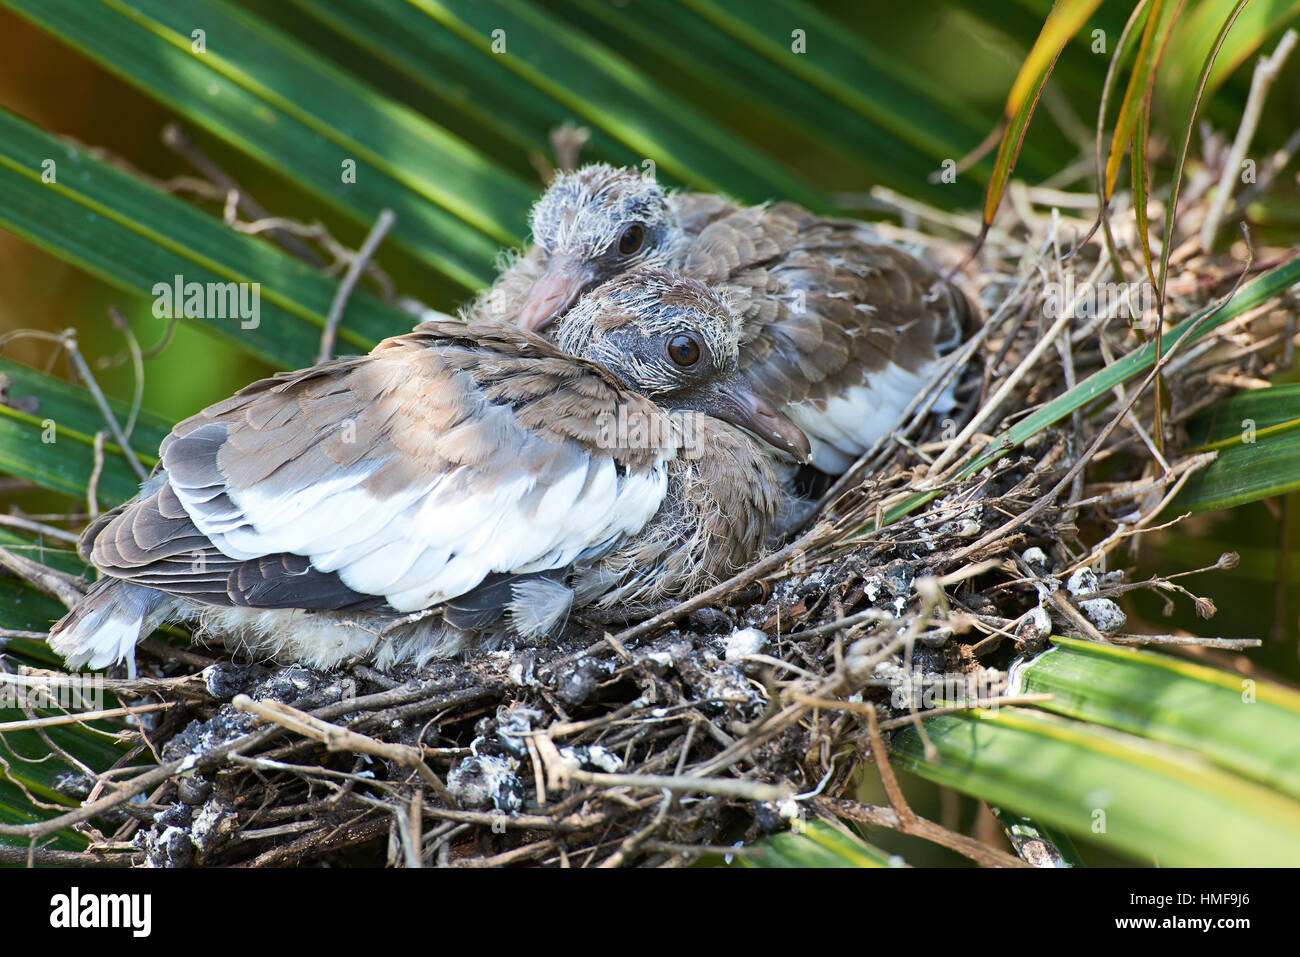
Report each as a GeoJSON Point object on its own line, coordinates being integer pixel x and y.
{"type": "Point", "coordinates": [459, 487]}
{"type": "Point", "coordinates": [839, 330]}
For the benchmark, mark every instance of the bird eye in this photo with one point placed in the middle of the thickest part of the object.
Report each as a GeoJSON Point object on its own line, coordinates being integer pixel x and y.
{"type": "Point", "coordinates": [631, 239]}
{"type": "Point", "coordinates": [684, 350]}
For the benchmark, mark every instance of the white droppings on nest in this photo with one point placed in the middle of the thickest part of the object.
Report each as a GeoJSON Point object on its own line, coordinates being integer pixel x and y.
{"type": "Point", "coordinates": [888, 669]}
{"type": "Point", "coordinates": [521, 670]}
{"type": "Point", "coordinates": [487, 780]}
{"type": "Point", "coordinates": [1036, 559]}
{"type": "Point", "coordinates": [656, 661]}
{"type": "Point", "coordinates": [858, 660]}
{"type": "Point", "coordinates": [744, 642]}
{"type": "Point", "coordinates": [213, 821]}
{"type": "Point", "coordinates": [1082, 582]}
{"type": "Point", "coordinates": [1106, 616]}
{"type": "Point", "coordinates": [591, 758]}
{"type": "Point", "coordinates": [1035, 624]}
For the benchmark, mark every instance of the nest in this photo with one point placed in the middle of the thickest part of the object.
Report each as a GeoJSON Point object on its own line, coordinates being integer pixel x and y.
{"type": "Point", "coordinates": [946, 551]}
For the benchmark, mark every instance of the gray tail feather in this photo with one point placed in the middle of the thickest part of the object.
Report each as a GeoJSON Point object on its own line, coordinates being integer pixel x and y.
{"type": "Point", "coordinates": [105, 626]}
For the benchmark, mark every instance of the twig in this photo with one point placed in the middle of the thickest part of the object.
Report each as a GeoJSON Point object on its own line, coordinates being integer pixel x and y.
{"type": "Point", "coordinates": [380, 229]}
{"type": "Point", "coordinates": [175, 139]}
{"type": "Point", "coordinates": [82, 716]}
{"type": "Point", "coordinates": [1266, 71]}
{"type": "Point", "coordinates": [342, 739]}
{"type": "Point", "coordinates": [977, 851]}
{"type": "Point", "coordinates": [724, 787]}
{"type": "Point", "coordinates": [63, 587]}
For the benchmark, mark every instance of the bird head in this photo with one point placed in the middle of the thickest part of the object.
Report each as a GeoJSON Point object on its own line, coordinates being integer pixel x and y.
{"type": "Point", "coordinates": [677, 342]}
{"type": "Point", "coordinates": [592, 225]}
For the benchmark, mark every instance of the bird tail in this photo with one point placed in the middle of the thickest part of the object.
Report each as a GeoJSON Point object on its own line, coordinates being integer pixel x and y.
{"type": "Point", "coordinates": [105, 626]}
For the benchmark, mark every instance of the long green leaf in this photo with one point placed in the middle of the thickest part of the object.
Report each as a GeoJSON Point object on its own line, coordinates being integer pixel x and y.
{"type": "Point", "coordinates": [1159, 21]}
{"type": "Point", "coordinates": [817, 845]}
{"type": "Point", "coordinates": [1243, 473]}
{"type": "Point", "coordinates": [1146, 799]}
{"type": "Point", "coordinates": [54, 447]}
{"type": "Point", "coordinates": [1245, 417]}
{"type": "Point", "coordinates": [1257, 436]}
{"type": "Point", "coordinates": [1100, 383]}
{"type": "Point", "coordinates": [263, 93]}
{"type": "Point", "coordinates": [1065, 20]}
{"type": "Point", "coordinates": [1246, 725]}
{"type": "Point", "coordinates": [605, 89]}
{"type": "Point", "coordinates": [1195, 34]}
{"type": "Point", "coordinates": [867, 79]}
{"type": "Point", "coordinates": [737, 83]}
{"type": "Point", "coordinates": [133, 236]}
{"type": "Point", "coordinates": [459, 74]}
{"type": "Point", "coordinates": [1185, 120]}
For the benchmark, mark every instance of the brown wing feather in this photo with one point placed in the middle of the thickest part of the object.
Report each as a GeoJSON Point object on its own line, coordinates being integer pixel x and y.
{"type": "Point", "coordinates": [823, 306]}
{"type": "Point", "coordinates": [493, 399]}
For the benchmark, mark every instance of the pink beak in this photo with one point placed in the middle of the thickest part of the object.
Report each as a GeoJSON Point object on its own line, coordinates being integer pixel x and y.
{"type": "Point", "coordinates": [552, 295]}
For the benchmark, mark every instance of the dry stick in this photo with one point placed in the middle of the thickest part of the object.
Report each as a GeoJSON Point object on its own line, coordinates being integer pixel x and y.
{"type": "Point", "coordinates": [1063, 347]}
{"type": "Point", "coordinates": [138, 785]}
{"type": "Point", "coordinates": [1266, 71]}
{"type": "Point", "coordinates": [159, 775]}
{"type": "Point", "coordinates": [380, 229]}
{"type": "Point", "coordinates": [63, 587]}
{"type": "Point", "coordinates": [723, 787]}
{"type": "Point", "coordinates": [752, 573]}
{"type": "Point", "coordinates": [633, 842]}
{"type": "Point", "coordinates": [35, 678]}
{"type": "Point", "coordinates": [1232, 644]}
{"type": "Point", "coordinates": [19, 633]}
{"type": "Point", "coordinates": [977, 851]}
{"type": "Point", "coordinates": [909, 823]}
{"type": "Point", "coordinates": [79, 717]}
{"type": "Point", "coordinates": [1030, 361]}
{"type": "Point", "coordinates": [137, 366]}
{"type": "Point", "coordinates": [336, 738]}
{"type": "Point", "coordinates": [92, 487]}
{"type": "Point", "coordinates": [175, 139]}
{"type": "Point", "coordinates": [1105, 433]}
{"type": "Point", "coordinates": [69, 341]}
{"type": "Point", "coordinates": [906, 817]}
{"type": "Point", "coordinates": [38, 528]}
{"type": "Point", "coordinates": [47, 857]}
{"type": "Point", "coordinates": [350, 834]}
{"type": "Point", "coordinates": [1001, 701]}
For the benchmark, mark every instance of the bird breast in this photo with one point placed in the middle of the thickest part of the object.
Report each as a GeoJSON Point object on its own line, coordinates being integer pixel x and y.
{"type": "Point", "coordinates": [722, 501]}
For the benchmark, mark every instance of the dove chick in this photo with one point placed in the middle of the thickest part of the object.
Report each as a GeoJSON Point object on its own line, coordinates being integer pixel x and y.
{"type": "Point", "coordinates": [839, 330]}
{"type": "Point", "coordinates": [461, 486]}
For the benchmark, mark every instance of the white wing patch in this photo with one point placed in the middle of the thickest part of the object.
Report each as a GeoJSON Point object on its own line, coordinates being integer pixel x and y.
{"type": "Point", "coordinates": [851, 422]}
{"type": "Point", "coordinates": [434, 541]}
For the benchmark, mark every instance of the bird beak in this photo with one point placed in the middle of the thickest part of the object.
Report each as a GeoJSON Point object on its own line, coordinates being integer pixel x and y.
{"type": "Point", "coordinates": [736, 402]}
{"type": "Point", "coordinates": [552, 295]}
